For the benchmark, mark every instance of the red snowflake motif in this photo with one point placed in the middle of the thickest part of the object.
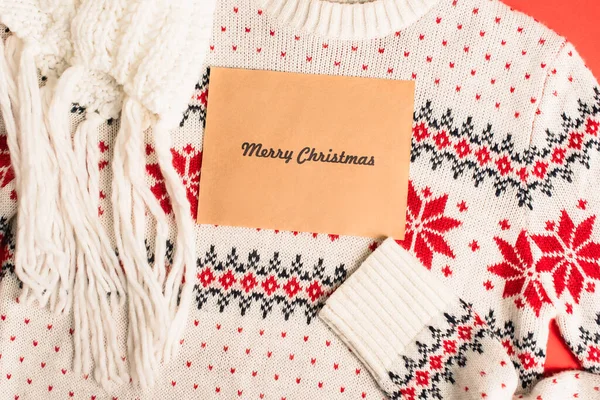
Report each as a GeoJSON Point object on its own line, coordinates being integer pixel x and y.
{"type": "Point", "coordinates": [504, 165]}
{"type": "Point", "coordinates": [426, 225]}
{"type": "Point", "coordinates": [292, 287]}
{"type": "Point", "coordinates": [591, 127]}
{"type": "Point", "coordinates": [508, 347]}
{"type": "Point", "coordinates": [435, 362]}
{"type": "Point", "coordinates": [206, 277]}
{"type": "Point", "coordinates": [408, 393]}
{"type": "Point", "coordinates": [449, 346]}
{"type": "Point", "coordinates": [540, 168]}
{"type": "Point", "coordinates": [159, 189]}
{"type": "Point", "coordinates": [441, 140]}
{"type": "Point", "coordinates": [187, 163]}
{"type": "Point", "coordinates": [6, 172]}
{"type": "Point", "coordinates": [522, 174]}
{"type": "Point", "coordinates": [422, 378]}
{"type": "Point", "coordinates": [270, 285]}
{"type": "Point", "coordinates": [483, 156]}
{"type": "Point", "coordinates": [576, 140]}
{"type": "Point", "coordinates": [569, 254]}
{"type": "Point", "coordinates": [203, 97]}
{"type": "Point", "coordinates": [462, 148]}
{"type": "Point", "coordinates": [520, 274]}
{"type": "Point", "coordinates": [420, 132]}
{"type": "Point", "coordinates": [593, 354]}
{"type": "Point", "coordinates": [464, 332]}
{"type": "Point", "coordinates": [314, 291]}
{"type": "Point", "coordinates": [527, 360]}
{"type": "Point", "coordinates": [248, 282]}
{"type": "Point", "coordinates": [558, 155]}
{"type": "Point", "coordinates": [227, 279]}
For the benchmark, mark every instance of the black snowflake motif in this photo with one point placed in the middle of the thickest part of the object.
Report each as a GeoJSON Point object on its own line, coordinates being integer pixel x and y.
{"type": "Point", "coordinates": [197, 106]}
{"type": "Point", "coordinates": [440, 338]}
{"type": "Point", "coordinates": [587, 347]}
{"type": "Point", "coordinates": [525, 353]}
{"type": "Point", "coordinates": [561, 139]}
{"type": "Point", "coordinates": [479, 172]}
{"type": "Point", "coordinates": [269, 285]}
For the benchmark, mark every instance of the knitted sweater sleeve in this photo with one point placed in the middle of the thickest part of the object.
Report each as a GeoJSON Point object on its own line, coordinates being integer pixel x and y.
{"type": "Point", "coordinates": [565, 186]}
{"type": "Point", "coordinates": [420, 341]}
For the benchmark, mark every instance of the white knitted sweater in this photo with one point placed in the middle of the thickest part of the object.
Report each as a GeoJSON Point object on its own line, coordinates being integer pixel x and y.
{"type": "Point", "coordinates": [501, 214]}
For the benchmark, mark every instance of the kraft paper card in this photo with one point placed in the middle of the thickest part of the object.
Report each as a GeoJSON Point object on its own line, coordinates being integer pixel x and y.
{"type": "Point", "coordinates": [312, 153]}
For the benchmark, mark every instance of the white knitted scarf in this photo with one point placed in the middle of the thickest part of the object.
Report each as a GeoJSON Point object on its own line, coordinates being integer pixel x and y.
{"type": "Point", "coordinates": [138, 57]}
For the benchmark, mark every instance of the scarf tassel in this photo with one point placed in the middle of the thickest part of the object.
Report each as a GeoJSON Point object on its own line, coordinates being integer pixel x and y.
{"type": "Point", "coordinates": [148, 310]}
{"type": "Point", "coordinates": [99, 283]}
{"type": "Point", "coordinates": [63, 255]}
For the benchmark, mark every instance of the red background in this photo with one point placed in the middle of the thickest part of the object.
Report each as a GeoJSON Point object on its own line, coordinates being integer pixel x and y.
{"type": "Point", "coordinates": [578, 21]}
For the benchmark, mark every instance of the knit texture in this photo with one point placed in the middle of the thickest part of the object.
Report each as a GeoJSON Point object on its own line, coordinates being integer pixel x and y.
{"type": "Point", "coordinates": [45, 27]}
{"type": "Point", "coordinates": [89, 53]}
{"type": "Point", "coordinates": [422, 342]}
{"type": "Point", "coordinates": [501, 210]}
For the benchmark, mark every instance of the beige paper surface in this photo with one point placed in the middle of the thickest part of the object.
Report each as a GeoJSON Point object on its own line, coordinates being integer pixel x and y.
{"type": "Point", "coordinates": [292, 187]}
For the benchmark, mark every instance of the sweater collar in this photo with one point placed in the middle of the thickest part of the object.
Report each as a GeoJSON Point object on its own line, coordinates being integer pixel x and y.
{"type": "Point", "coordinates": [348, 21]}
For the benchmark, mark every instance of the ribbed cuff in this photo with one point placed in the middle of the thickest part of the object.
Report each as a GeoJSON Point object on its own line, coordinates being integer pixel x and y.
{"type": "Point", "coordinates": [381, 308]}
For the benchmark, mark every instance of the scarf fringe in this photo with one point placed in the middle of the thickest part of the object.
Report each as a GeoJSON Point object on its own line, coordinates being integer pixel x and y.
{"type": "Point", "coordinates": [39, 256]}
{"type": "Point", "coordinates": [179, 284]}
{"type": "Point", "coordinates": [148, 310]}
{"type": "Point", "coordinates": [64, 256]}
{"type": "Point", "coordinates": [99, 282]}
{"type": "Point", "coordinates": [159, 301]}
{"type": "Point", "coordinates": [61, 298]}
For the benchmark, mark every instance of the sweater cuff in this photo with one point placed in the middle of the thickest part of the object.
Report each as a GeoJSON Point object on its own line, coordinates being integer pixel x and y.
{"type": "Point", "coordinates": [382, 307]}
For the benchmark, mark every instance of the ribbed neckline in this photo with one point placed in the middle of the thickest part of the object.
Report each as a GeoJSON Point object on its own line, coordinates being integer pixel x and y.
{"type": "Point", "coordinates": [348, 21]}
